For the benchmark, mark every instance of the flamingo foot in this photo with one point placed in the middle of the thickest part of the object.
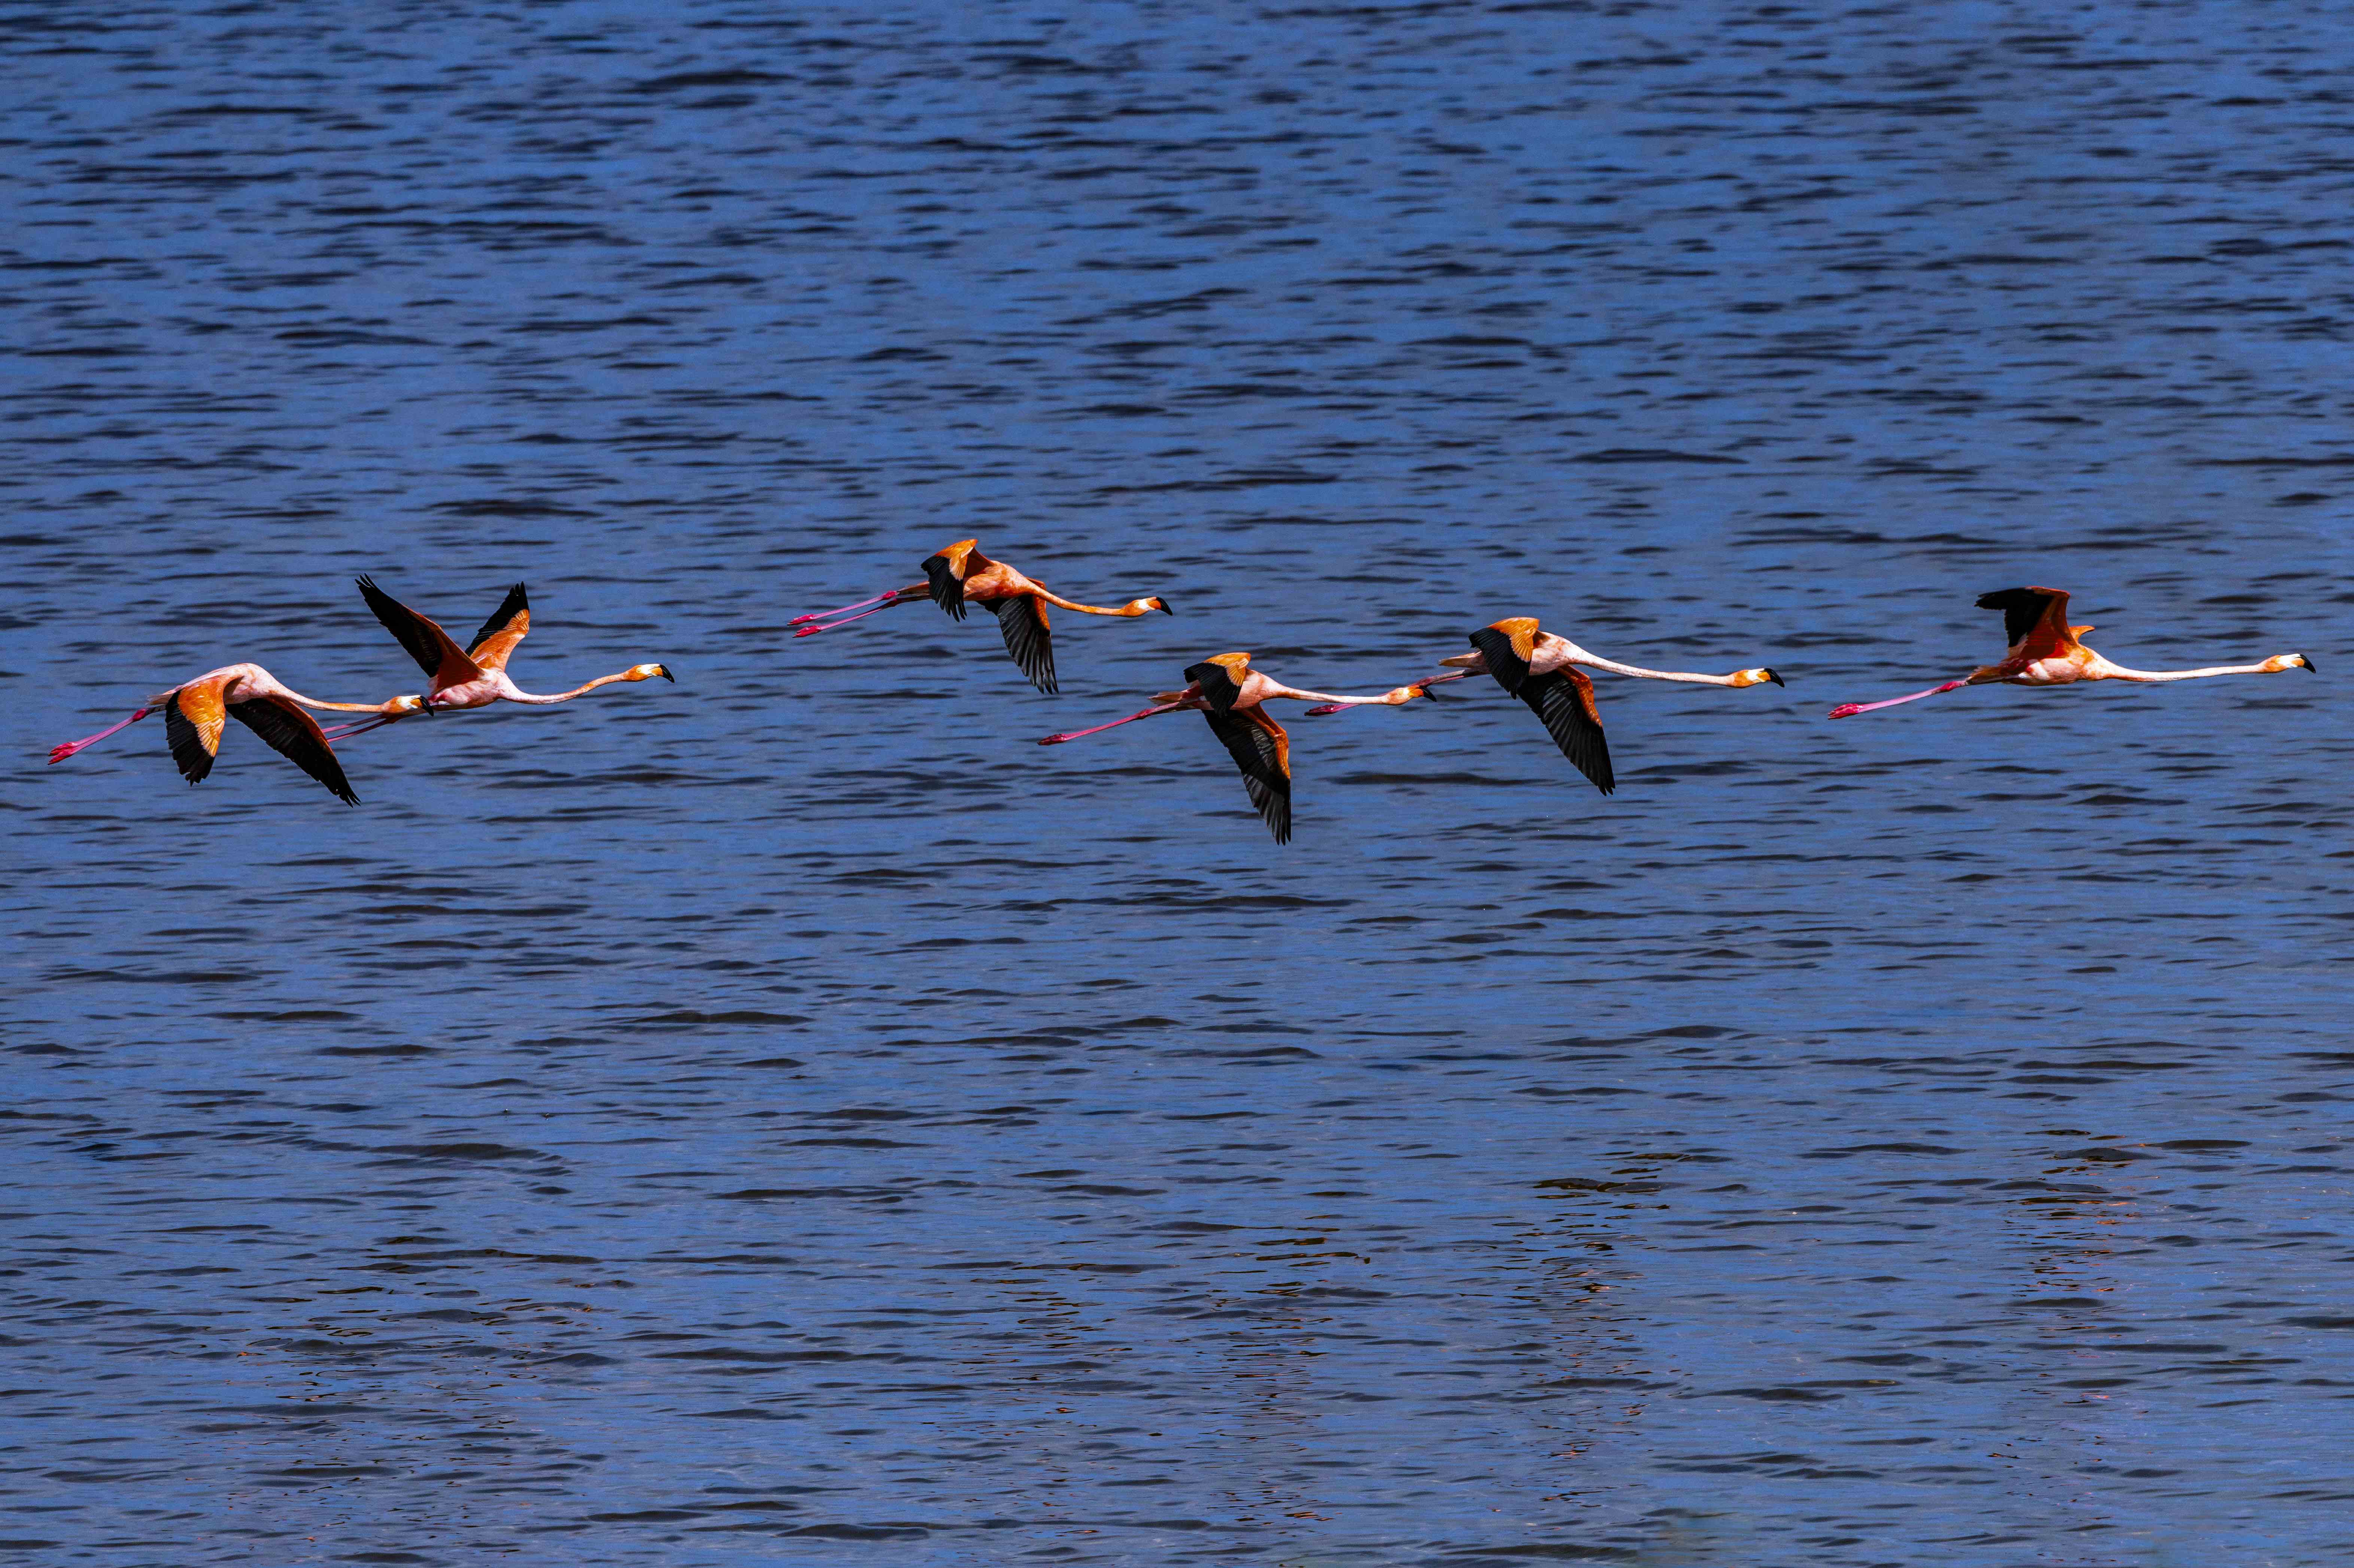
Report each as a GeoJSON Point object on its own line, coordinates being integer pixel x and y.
{"type": "Point", "coordinates": [60, 753]}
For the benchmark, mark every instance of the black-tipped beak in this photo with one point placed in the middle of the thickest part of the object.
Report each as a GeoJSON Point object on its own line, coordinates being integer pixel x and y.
{"type": "Point", "coordinates": [663, 671]}
{"type": "Point", "coordinates": [2307, 659]}
{"type": "Point", "coordinates": [1776, 679]}
{"type": "Point", "coordinates": [1164, 607]}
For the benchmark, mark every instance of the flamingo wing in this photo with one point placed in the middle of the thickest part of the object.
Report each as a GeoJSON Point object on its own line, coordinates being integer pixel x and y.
{"type": "Point", "coordinates": [193, 718]}
{"type": "Point", "coordinates": [1021, 619]}
{"type": "Point", "coordinates": [947, 589]}
{"type": "Point", "coordinates": [494, 644]}
{"type": "Point", "coordinates": [296, 736]}
{"type": "Point", "coordinates": [2035, 620]}
{"type": "Point", "coordinates": [426, 642]}
{"type": "Point", "coordinates": [1263, 752]}
{"type": "Point", "coordinates": [1504, 661]}
{"type": "Point", "coordinates": [1563, 699]}
{"type": "Point", "coordinates": [1217, 683]}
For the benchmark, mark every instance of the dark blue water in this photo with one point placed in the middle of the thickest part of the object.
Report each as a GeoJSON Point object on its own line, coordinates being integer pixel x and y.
{"type": "Point", "coordinates": [790, 1116]}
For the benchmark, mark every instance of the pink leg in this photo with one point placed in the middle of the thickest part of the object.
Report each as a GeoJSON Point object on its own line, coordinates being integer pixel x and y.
{"type": "Point", "coordinates": [1099, 729]}
{"type": "Point", "coordinates": [1848, 710]}
{"type": "Point", "coordinates": [60, 753]}
{"type": "Point", "coordinates": [901, 596]}
{"type": "Point", "coordinates": [362, 727]}
{"type": "Point", "coordinates": [828, 614]}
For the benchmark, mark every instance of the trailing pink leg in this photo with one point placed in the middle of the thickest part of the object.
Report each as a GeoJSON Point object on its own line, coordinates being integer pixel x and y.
{"type": "Point", "coordinates": [1848, 710]}
{"type": "Point", "coordinates": [60, 753]}
{"type": "Point", "coordinates": [903, 596]}
{"type": "Point", "coordinates": [362, 727]}
{"type": "Point", "coordinates": [828, 614]}
{"type": "Point", "coordinates": [1099, 729]}
{"type": "Point", "coordinates": [829, 626]}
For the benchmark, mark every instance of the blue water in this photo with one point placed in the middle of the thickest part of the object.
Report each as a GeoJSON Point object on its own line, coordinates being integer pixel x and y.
{"type": "Point", "coordinates": [790, 1116]}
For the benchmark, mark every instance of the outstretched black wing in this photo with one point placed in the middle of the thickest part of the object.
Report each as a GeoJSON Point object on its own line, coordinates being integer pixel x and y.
{"type": "Point", "coordinates": [189, 753]}
{"type": "Point", "coordinates": [2022, 608]}
{"type": "Point", "coordinates": [296, 736]}
{"type": "Point", "coordinates": [426, 643]}
{"type": "Point", "coordinates": [1023, 621]}
{"type": "Point", "coordinates": [1219, 687]}
{"type": "Point", "coordinates": [1263, 752]}
{"type": "Point", "coordinates": [1563, 699]}
{"type": "Point", "coordinates": [1496, 647]}
{"type": "Point", "coordinates": [515, 607]}
{"type": "Point", "coordinates": [947, 589]}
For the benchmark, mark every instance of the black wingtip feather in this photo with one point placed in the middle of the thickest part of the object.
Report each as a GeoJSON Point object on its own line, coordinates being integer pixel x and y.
{"type": "Point", "coordinates": [509, 607]}
{"type": "Point", "coordinates": [1023, 626]}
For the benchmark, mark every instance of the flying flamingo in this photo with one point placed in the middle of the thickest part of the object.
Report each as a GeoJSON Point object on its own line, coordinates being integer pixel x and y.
{"type": "Point", "coordinates": [2045, 652]}
{"type": "Point", "coordinates": [960, 576]}
{"type": "Point", "coordinates": [196, 711]}
{"type": "Point", "coordinates": [1228, 693]}
{"type": "Point", "coordinates": [477, 676]}
{"type": "Point", "coordinates": [1541, 668]}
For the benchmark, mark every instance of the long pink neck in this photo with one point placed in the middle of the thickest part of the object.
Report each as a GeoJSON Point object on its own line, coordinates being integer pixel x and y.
{"type": "Point", "coordinates": [1582, 657]}
{"type": "Point", "coordinates": [2119, 673]}
{"type": "Point", "coordinates": [1136, 607]}
{"type": "Point", "coordinates": [384, 707]}
{"type": "Point", "coordinates": [580, 691]}
{"type": "Point", "coordinates": [1387, 699]}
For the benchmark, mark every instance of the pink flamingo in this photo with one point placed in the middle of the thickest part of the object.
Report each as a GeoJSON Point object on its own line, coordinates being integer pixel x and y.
{"type": "Point", "coordinates": [194, 712]}
{"type": "Point", "coordinates": [1228, 693]}
{"type": "Point", "coordinates": [1541, 668]}
{"type": "Point", "coordinates": [2045, 652]}
{"type": "Point", "coordinates": [960, 576]}
{"type": "Point", "coordinates": [477, 676]}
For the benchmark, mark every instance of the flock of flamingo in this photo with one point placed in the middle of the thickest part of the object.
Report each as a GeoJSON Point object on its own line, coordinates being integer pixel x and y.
{"type": "Point", "coordinates": [1541, 669]}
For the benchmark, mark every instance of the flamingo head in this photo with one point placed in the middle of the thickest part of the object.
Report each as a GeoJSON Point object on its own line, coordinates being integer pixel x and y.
{"type": "Point", "coordinates": [1756, 677]}
{"type": "Point", "coordinates": [648, 671]}
{"type": "Point", "coordinates": [2280, 662]}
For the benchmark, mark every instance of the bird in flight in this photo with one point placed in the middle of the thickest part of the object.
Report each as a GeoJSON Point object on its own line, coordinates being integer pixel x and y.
{"type": "Point", "coordinates": [1541, 668]}
{"type": "Point", "coordinates": [960, 576]}
{"type": "Point", "coordinates": [476, 676]}
{"type": "Point", "coordinates": [2045, 652]}
{"type": "Point", "coordinates": [1224, 690]}
{"type": "Point", "coordinates": [196, 712]}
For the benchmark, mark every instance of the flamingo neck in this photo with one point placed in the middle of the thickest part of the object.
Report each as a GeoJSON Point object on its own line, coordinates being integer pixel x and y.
{"type": "Point", "coordinates": [1390, 698]}
{"type": "Point", "coordinates": [1615, 668]}
{"type": "Point", "coordinates": [1134, 607]}
{"type": "Point", "coordinates": [2158, 677]}
{"type": "Point", "coordinates": [515, 695]}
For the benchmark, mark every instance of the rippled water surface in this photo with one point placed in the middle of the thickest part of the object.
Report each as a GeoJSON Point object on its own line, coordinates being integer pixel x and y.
{"type": "Point", "coordinates": [790, 1116]}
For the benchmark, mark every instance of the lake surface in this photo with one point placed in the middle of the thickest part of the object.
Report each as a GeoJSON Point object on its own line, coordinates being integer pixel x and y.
{"type": "Point", "coordinates": [789, 1116]}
